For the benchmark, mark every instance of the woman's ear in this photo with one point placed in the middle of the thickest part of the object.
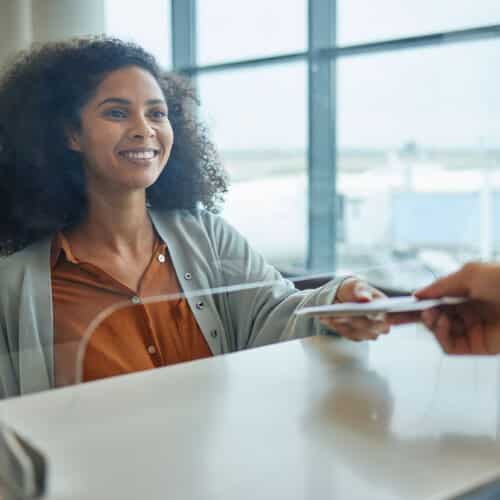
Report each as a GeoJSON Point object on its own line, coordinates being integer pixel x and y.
{"type": "Point", "coordinates": [73, 140]}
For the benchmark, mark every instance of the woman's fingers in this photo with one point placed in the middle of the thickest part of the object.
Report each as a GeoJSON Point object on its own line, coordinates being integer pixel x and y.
{"type": "Point", "coordinates": [360, 327]}
{"type": "Point", "coordinates": [377, 294]}
{"type": "Point", "coordinates": [362, 324]}
{"type": "Point", "coordinates": [356, 290]}
{"type": "Point", "coordinates": [363, 292]}
{"type": "Point", "coordinates": [357, 328]}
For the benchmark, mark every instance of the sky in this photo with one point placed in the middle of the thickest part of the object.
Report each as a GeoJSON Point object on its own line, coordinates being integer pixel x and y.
{"type": "Point", "coordinates": [439, 97]}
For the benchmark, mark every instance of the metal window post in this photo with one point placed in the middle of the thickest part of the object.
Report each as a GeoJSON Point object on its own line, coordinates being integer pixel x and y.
{"type": "Point", "coordinates": [183, 34]}
{"type": "Point", "coordinates": [322, 137]}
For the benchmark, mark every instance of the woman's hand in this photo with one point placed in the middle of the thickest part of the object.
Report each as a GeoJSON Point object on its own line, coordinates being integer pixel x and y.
{"type": "Point", "coordinates": [360, 327]}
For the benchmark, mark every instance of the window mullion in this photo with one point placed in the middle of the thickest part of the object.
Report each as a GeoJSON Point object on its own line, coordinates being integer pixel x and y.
{"type": "Point", "coordinates": [322, 137]}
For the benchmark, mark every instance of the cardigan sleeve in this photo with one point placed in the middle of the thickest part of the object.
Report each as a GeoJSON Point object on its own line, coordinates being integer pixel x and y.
{"type": "Point", "coordinates": [262, 303]}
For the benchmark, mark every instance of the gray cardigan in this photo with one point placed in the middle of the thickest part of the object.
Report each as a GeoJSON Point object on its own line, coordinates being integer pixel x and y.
{"type": "Point", "coordinates": [255, 307]}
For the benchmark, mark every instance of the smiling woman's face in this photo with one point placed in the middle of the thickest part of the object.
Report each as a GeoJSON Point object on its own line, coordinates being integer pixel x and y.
{"type": "Point", "coordinates": [125, 137]}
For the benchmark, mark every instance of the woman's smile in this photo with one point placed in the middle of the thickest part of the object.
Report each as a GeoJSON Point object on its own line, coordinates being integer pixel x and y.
{"type": "Point", "coordinates": [140, 156]}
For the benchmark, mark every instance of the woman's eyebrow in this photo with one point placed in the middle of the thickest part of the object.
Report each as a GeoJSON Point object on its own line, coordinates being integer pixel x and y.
{"type": "Point", "coordinates": [114, 100]}
{"type": "Point", "coordinates": [152, 102]}
{"type": "Point", "coordinates": [120, 100]}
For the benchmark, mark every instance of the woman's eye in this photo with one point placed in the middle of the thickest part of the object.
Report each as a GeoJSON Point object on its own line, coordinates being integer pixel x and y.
{"type": "Point", "coordinates": [158, 114]}
{"type": "Point", "coordinates": [116, 113]}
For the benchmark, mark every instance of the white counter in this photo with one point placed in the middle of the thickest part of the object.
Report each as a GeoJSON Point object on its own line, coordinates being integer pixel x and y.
{"type": "Point", "coordinates": [298, 420]}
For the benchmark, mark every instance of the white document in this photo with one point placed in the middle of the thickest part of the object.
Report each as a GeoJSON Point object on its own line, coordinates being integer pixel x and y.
{"type": "Point", "coordinates": [391, 305]}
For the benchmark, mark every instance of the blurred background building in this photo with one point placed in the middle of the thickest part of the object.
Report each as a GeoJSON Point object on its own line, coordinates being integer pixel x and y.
{"type": "Point", "coordinates": [359, 136]}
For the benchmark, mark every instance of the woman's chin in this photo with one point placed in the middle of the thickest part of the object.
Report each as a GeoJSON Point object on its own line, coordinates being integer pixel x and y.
{"type": "Point", "coordinates": [142, 181]}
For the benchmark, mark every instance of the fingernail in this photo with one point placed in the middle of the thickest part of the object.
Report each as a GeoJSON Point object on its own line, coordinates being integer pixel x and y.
{"type": "Point", "coordinates": [365, 294]}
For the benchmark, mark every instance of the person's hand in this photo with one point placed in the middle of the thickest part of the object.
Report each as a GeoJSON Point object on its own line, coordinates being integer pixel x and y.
{"type": "Point", "coordinates": [360, 327]}
{"type": "Point", "coordinates": [472, 327]}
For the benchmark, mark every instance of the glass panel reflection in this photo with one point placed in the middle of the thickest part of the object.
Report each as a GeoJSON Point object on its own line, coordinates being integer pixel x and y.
{"type": "Point", "coordinates": [251, 306]}
{"type": "Point", "coordinates": [148, 332]}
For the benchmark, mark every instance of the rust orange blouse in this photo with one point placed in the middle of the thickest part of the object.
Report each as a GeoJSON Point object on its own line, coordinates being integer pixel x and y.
{"type": "Point", "coordinates": [133, 338]}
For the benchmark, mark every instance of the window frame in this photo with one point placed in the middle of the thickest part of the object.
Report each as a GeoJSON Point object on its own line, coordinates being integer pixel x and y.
{"type": "Point", "coordinates": [321, 59]}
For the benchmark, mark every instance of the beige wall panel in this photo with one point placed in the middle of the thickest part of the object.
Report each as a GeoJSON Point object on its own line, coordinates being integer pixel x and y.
{"type": "Point", "coordinates": [59, 19]}
{"type": "Point", "coordinates": [15, 27]}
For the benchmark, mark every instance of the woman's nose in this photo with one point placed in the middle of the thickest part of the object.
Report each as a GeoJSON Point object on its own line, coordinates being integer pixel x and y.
{"type": "Point", "coordinates": [141, 129]}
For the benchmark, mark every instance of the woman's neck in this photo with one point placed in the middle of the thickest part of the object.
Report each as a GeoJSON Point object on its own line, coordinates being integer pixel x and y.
{"type": "Point", "coordinates": [117, 224]}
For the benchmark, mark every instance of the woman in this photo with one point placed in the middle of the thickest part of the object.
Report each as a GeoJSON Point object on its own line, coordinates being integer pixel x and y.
{"type": "Point", "coordinates": [108, 192]}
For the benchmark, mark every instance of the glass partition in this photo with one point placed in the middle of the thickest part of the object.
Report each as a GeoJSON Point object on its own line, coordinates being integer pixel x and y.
{"type": "Point", "coordinates": [231, 303]}
{"type": "Point", "coordinates": [146, 332]}
{"type": "Point", "coordinates": [246, 309]}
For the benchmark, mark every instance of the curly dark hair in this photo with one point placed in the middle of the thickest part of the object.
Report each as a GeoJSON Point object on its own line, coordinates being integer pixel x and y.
{"type": "Point", "coordinates": [42, 182]}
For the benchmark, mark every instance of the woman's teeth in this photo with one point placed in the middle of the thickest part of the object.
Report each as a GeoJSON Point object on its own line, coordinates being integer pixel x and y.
{"type": "Point", "coordinates": [143, 155]}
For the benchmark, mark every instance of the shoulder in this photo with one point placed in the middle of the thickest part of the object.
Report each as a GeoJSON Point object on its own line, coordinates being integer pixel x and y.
{"type": "Point", "coordinates": [194, 222]}
{"type": "Point", "coordinates": [208, 233]}
{"type": "Point", "coordinates": [13, 267]}
{"type": "Point", "coordinates": [183, 216]}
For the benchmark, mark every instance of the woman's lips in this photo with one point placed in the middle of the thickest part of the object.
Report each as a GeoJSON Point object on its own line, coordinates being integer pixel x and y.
{"type": "Point", "coordinates": [139, 156]}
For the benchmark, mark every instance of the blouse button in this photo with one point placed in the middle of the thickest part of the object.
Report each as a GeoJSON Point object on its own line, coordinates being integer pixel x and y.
{"type": "Point", "coordinates": [151, 349]}
{"type": "Point", "coordinates": [200, 305]}
{"type": "Point", "coordinates": [136, 300]}
{"type": "Point", "coordinates": [188, 276]}
{"type": "Point", "coordinates": [161, 258]}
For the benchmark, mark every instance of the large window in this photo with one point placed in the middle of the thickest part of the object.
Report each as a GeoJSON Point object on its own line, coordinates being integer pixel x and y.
{"type": "Point", "coordinates": [419, 149]}
{"type": "Point", "coordinates": [146, 22]}
{"type": "Point", "coordinates": [403, 93]}
{"type": "Point", "coordinates": [361, 21]}
{"type": "Point", "coordinates": [264, 154]}
{"type": "Point", "coordinates": [239, 29]}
